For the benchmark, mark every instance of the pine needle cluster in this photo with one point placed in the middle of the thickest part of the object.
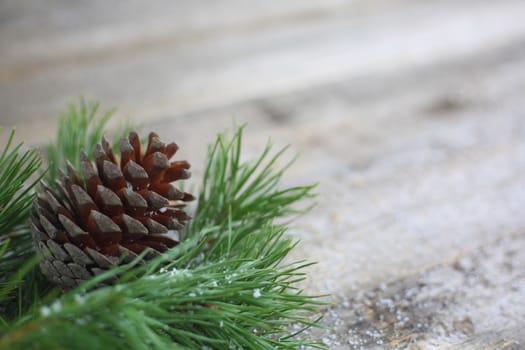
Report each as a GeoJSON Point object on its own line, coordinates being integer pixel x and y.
{"type": "Point", "coordinates": [225, 286]}
{"type": "Point", "coordinates": [18, 176]}
{"type": "Point", "coordinates": [80, 128]}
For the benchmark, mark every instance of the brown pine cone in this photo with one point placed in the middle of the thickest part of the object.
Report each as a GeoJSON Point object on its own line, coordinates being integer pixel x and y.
{"type": "Point", "coordinates": [114, 212]}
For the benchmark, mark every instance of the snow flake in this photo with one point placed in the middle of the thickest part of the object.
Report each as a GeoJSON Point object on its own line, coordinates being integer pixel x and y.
{"type": "Point", "coordinates": [79, 299]}
{"type": "Point", "coordinates": [56, 306]}
{"type": "Point", "coordinates": [45, 311]}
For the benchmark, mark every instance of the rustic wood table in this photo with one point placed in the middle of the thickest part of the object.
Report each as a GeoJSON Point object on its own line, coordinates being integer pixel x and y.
{"type": "Point", "coordinates": [410, 115]}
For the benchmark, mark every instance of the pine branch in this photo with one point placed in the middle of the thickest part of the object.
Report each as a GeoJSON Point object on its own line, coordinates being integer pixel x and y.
{"type": "Point", "coordinates": [18, 168]}
{"type": "Point", "coordinates": [223, 287]}
{"type": "Point", "coordinates": [233, 304]}
{"type": "Point", "coordinates": [244, 194]}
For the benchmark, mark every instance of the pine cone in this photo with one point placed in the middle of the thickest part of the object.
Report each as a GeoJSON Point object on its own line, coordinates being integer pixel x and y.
{"type": "Point", "coordinates": [115, 212]}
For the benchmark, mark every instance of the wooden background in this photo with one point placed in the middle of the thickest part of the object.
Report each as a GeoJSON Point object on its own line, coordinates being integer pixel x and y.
{"type": "Point", "coordinates": [410, 115]}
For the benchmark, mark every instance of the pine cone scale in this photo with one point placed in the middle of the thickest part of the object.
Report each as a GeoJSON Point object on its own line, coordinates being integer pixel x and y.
{"type": "Point", "coordinates": [132, 227]}
{"type": "Point", "coordinates": [108, 201]}
{"type": "Point", "coordinates": [78, 271]}
{"type": "Point", "coordinates": [71, 228]}
{"type": "Point", "coordinates": [136, 175]}
{"type": "Point", "coordinates": [77, 255]}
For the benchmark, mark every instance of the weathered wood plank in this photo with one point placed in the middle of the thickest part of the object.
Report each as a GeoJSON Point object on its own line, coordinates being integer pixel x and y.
{"type": "Point", "coordinates": [36, 35]}
{"type": "Point", "coordinates": [474, 302]}
{"type": "Point", "coordinates": [174, 77]}
{"type": "Point", "coordinates": [413, 168]}
{"type": "Point", "coordinates": [507, 339]}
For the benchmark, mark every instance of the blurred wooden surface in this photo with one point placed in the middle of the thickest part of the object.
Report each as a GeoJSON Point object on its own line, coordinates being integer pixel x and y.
{"type": "Point", "coordinates": [410, 115]}
{"type": "Point", "coordinates": [169, 58]}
